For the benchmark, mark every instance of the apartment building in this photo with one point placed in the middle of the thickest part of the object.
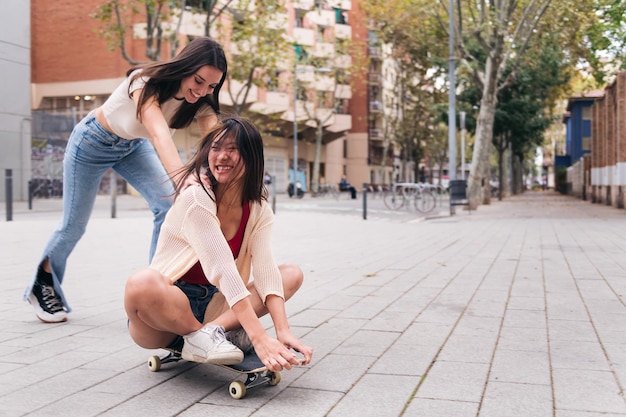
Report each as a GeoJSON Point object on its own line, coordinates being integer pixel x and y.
{"type": "Point", "coordinates": [73, 72]}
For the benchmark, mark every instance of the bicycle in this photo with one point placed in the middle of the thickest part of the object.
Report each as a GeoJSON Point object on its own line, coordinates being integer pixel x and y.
{"type": "Point", "coordinates": [395, 199]}
{"type": "Point", "coordinates": [331, 190]}
{"type": "Point", "coordinates": [423, 196]}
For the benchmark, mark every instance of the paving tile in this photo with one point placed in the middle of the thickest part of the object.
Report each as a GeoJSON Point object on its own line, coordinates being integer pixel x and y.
{"type": "Point", "coordinates": [458, 381]}
{"type": "Point", "coordinates": [587, 390]}
{"type": "Point", "coordinates": [505, 399]}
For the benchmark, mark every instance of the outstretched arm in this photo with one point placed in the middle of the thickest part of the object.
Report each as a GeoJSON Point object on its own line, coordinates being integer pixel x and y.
{"type": "Point", "coordinates": [154, 121]}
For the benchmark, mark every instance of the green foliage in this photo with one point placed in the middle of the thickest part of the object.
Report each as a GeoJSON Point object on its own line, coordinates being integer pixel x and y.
{"type": "Point", "coordinates": [258, 48]}
{"type": "Point", "coordinates": [116, 19]}
{"type": "Point", "coordinates": [561, 180]}
{"type": "Point", "coordinates": [257, 45]}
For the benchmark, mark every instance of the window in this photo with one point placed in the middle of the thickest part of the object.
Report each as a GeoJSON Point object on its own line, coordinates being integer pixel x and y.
{"type": "Point", "coordinates": [301, 53]}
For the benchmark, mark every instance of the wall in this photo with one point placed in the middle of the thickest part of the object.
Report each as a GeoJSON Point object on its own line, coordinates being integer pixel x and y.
{"type": "Point", "coordinates": [608, 160]}
{"type": "Point", "coordinates": [15, 97]}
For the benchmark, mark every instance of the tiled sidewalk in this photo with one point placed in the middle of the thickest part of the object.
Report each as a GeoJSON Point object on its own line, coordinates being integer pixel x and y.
{"type": "Point", "coordinates": [515, 310]}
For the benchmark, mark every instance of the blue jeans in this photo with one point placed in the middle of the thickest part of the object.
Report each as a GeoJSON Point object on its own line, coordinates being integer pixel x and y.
{"type": "Point", "coordinates": [90, 152]}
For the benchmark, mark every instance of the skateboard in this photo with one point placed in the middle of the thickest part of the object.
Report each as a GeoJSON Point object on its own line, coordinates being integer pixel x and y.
{"type": "Point", "coordinates": [251, 366]}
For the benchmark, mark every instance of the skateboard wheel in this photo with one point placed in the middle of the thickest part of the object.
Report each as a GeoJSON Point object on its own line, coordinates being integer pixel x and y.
{"type": "Point", "coordinates": [274, 378]}
{"type": "Point", "coordinates": [154, 363]}
{"type": "Point", "coordinates": [237, 389]}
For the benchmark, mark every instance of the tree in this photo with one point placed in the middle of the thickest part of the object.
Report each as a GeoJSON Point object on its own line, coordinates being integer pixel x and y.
{"type": "Point", "coordinates": [503, 32]}
{"type": "Point", "coordinates": [259, 50]}
{"type": "Point", "coordinates": [406, 30]}
{"type": "Point", "coordinates": [255, 35]}
{"type": "Point", "coordinates": [162, 19]}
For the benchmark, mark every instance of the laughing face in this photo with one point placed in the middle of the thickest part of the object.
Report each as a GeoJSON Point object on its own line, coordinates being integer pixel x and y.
{"type": "Point", "coordinates": [200, 84]}
{"type": "Point", "coordinates": [225, 160]}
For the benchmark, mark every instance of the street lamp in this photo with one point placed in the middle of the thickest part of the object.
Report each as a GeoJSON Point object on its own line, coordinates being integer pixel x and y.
{"type": "Point", "coordinates": [297, 70]}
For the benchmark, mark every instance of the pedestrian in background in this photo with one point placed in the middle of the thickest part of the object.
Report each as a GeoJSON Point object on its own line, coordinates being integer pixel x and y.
{"type": "Point", "coordinates": [344, 185]}
{"type": "Point", "coordinates": [132, 134]}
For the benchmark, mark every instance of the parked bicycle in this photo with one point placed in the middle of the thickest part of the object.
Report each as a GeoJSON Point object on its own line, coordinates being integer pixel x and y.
{"type": "Point", "coordinates": [328, 190]}
{"type": "Point", "coordinates": [423, 197]}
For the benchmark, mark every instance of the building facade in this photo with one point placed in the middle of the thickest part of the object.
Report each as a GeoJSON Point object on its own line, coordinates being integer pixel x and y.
{"type": "Point", "coordinates": [15, 115]}
{"type": "Point", "coordinates": [73, 71]}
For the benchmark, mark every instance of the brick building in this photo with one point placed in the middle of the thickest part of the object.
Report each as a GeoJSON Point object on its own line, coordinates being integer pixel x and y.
{"type": "Point", "coordinates": [73, 72]}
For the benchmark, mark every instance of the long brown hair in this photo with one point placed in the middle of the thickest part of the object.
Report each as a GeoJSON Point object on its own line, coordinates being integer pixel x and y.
{"type": "Point", "coordinates": [164, 78]}
{"type": "Point", "coordinates": [250, 145]}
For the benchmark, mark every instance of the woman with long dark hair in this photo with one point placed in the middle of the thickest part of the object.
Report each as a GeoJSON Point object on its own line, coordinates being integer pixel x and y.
{"type": "Point", "coordinates": [198, 296]}
{"type": "Point", "coordinates": [132, 134]}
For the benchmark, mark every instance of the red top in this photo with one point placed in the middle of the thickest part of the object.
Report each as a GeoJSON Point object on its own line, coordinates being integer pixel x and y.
{"type": "Point", "coordinates": [195, 275]}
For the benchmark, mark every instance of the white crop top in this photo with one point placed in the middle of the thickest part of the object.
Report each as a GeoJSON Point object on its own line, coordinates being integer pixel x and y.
{"type": "Point", "coordinates": [121, 114]}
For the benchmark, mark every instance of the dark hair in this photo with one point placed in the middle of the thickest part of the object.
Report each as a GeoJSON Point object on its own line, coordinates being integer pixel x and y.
{"type": "Point", "coordinates": [250, 146]}
{"type": "Point", "coordinates": [164, 78]}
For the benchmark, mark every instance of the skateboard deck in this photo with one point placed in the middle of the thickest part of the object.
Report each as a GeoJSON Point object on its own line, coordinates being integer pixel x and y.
{"type": "Point", "coordinates": [251, 366]}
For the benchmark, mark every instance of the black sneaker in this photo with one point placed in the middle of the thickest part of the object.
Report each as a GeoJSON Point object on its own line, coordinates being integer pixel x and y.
{"type": "Point", "coordinates": [47, 304]}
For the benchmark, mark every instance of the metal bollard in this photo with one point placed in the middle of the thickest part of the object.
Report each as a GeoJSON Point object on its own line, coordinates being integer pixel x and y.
{"type": "Point", "coordinates": [8, 182]}
{"type": "Point", "coordinates": [31, 190]}
{"type": "Point", "coordinates": [364, 201]}
{"type": "Point", "coordinates": [113, 184]}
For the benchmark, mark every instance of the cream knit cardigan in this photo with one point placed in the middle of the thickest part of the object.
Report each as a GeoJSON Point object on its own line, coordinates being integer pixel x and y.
{"type": "Point", "coordinates": [191, 232]}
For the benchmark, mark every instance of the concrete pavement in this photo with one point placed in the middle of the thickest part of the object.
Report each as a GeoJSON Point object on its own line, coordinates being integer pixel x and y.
{"type": "Point", "coordinates": [515, 310]}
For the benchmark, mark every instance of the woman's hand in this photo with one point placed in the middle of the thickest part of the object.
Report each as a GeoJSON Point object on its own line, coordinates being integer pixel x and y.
{"type": "Point", "coordinates": [291, 342]}
{"type": "Point", "coordinates": [275, 355]}
{"type": "Point", "coordinates": [193, 180]}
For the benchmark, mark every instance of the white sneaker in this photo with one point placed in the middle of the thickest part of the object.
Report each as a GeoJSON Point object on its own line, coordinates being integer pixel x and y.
{"type": "Point", "coordinates": [209, 345]}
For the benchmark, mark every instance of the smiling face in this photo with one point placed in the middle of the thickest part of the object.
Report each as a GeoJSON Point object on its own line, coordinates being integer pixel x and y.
{"type": "Point", "coordinates": [199, 84]}
{"type": "Point", "coordinates": [225, 160]}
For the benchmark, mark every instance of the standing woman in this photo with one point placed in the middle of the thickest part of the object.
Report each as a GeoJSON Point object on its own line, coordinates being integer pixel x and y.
{"type": "Point", "coordinates": [199, 283]}
{"type": "Point", "coordinates": [131, 133]}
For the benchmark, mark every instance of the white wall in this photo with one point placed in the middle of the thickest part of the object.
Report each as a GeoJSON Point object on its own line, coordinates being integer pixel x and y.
{"type": "Point", "coordinates": [15, 96]}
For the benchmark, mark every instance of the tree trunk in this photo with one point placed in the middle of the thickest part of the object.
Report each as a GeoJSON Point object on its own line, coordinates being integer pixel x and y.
{"type": "Point", "coordinates": [315, 180]}
{"type": "Point", "coordinates": [518, 176]}
{"type": "Point", "coordinates": [501, 173]}
{"type": "Point", "coordinates": [479, 171]}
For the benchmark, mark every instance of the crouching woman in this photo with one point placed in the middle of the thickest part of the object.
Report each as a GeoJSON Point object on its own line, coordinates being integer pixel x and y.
{"type": "Point", "coordinates": [197, 295]}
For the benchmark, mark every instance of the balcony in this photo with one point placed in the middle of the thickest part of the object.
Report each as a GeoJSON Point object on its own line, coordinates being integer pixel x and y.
{"type": "Point", "coordinates": [375, 78]}
{"type": "Point", "coordinates": [340, 4]}
{"type": "Point", "coordinates": [340, 123]}
{"type": "Point", "coordinates": [303, 4]}
{"type": "Point", "coordinates": [376, 106]}
{"type": "Point", "coordinates": [236, 87]}
{"type": "Point", "coordinates": [374, 52]}
{"type": "Point", "coordinates": [324, 50]}
{"type": "Point", "coordinates": [343, 91]}
{"type": "Point", "coordinates": [376, 134]}
{"type": "Point", "coordinates": [343, 31]}
{"type": "Point", "coordinates": [322, 17]}
{"type": "Point", "coordinates": [343, 61]}
{"type": "Point", "coordinates": [279, 21]}
{"type": "Point", "coordinates": [304, 37]}
{"type": "Point", "coordinates": [275, 102]}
